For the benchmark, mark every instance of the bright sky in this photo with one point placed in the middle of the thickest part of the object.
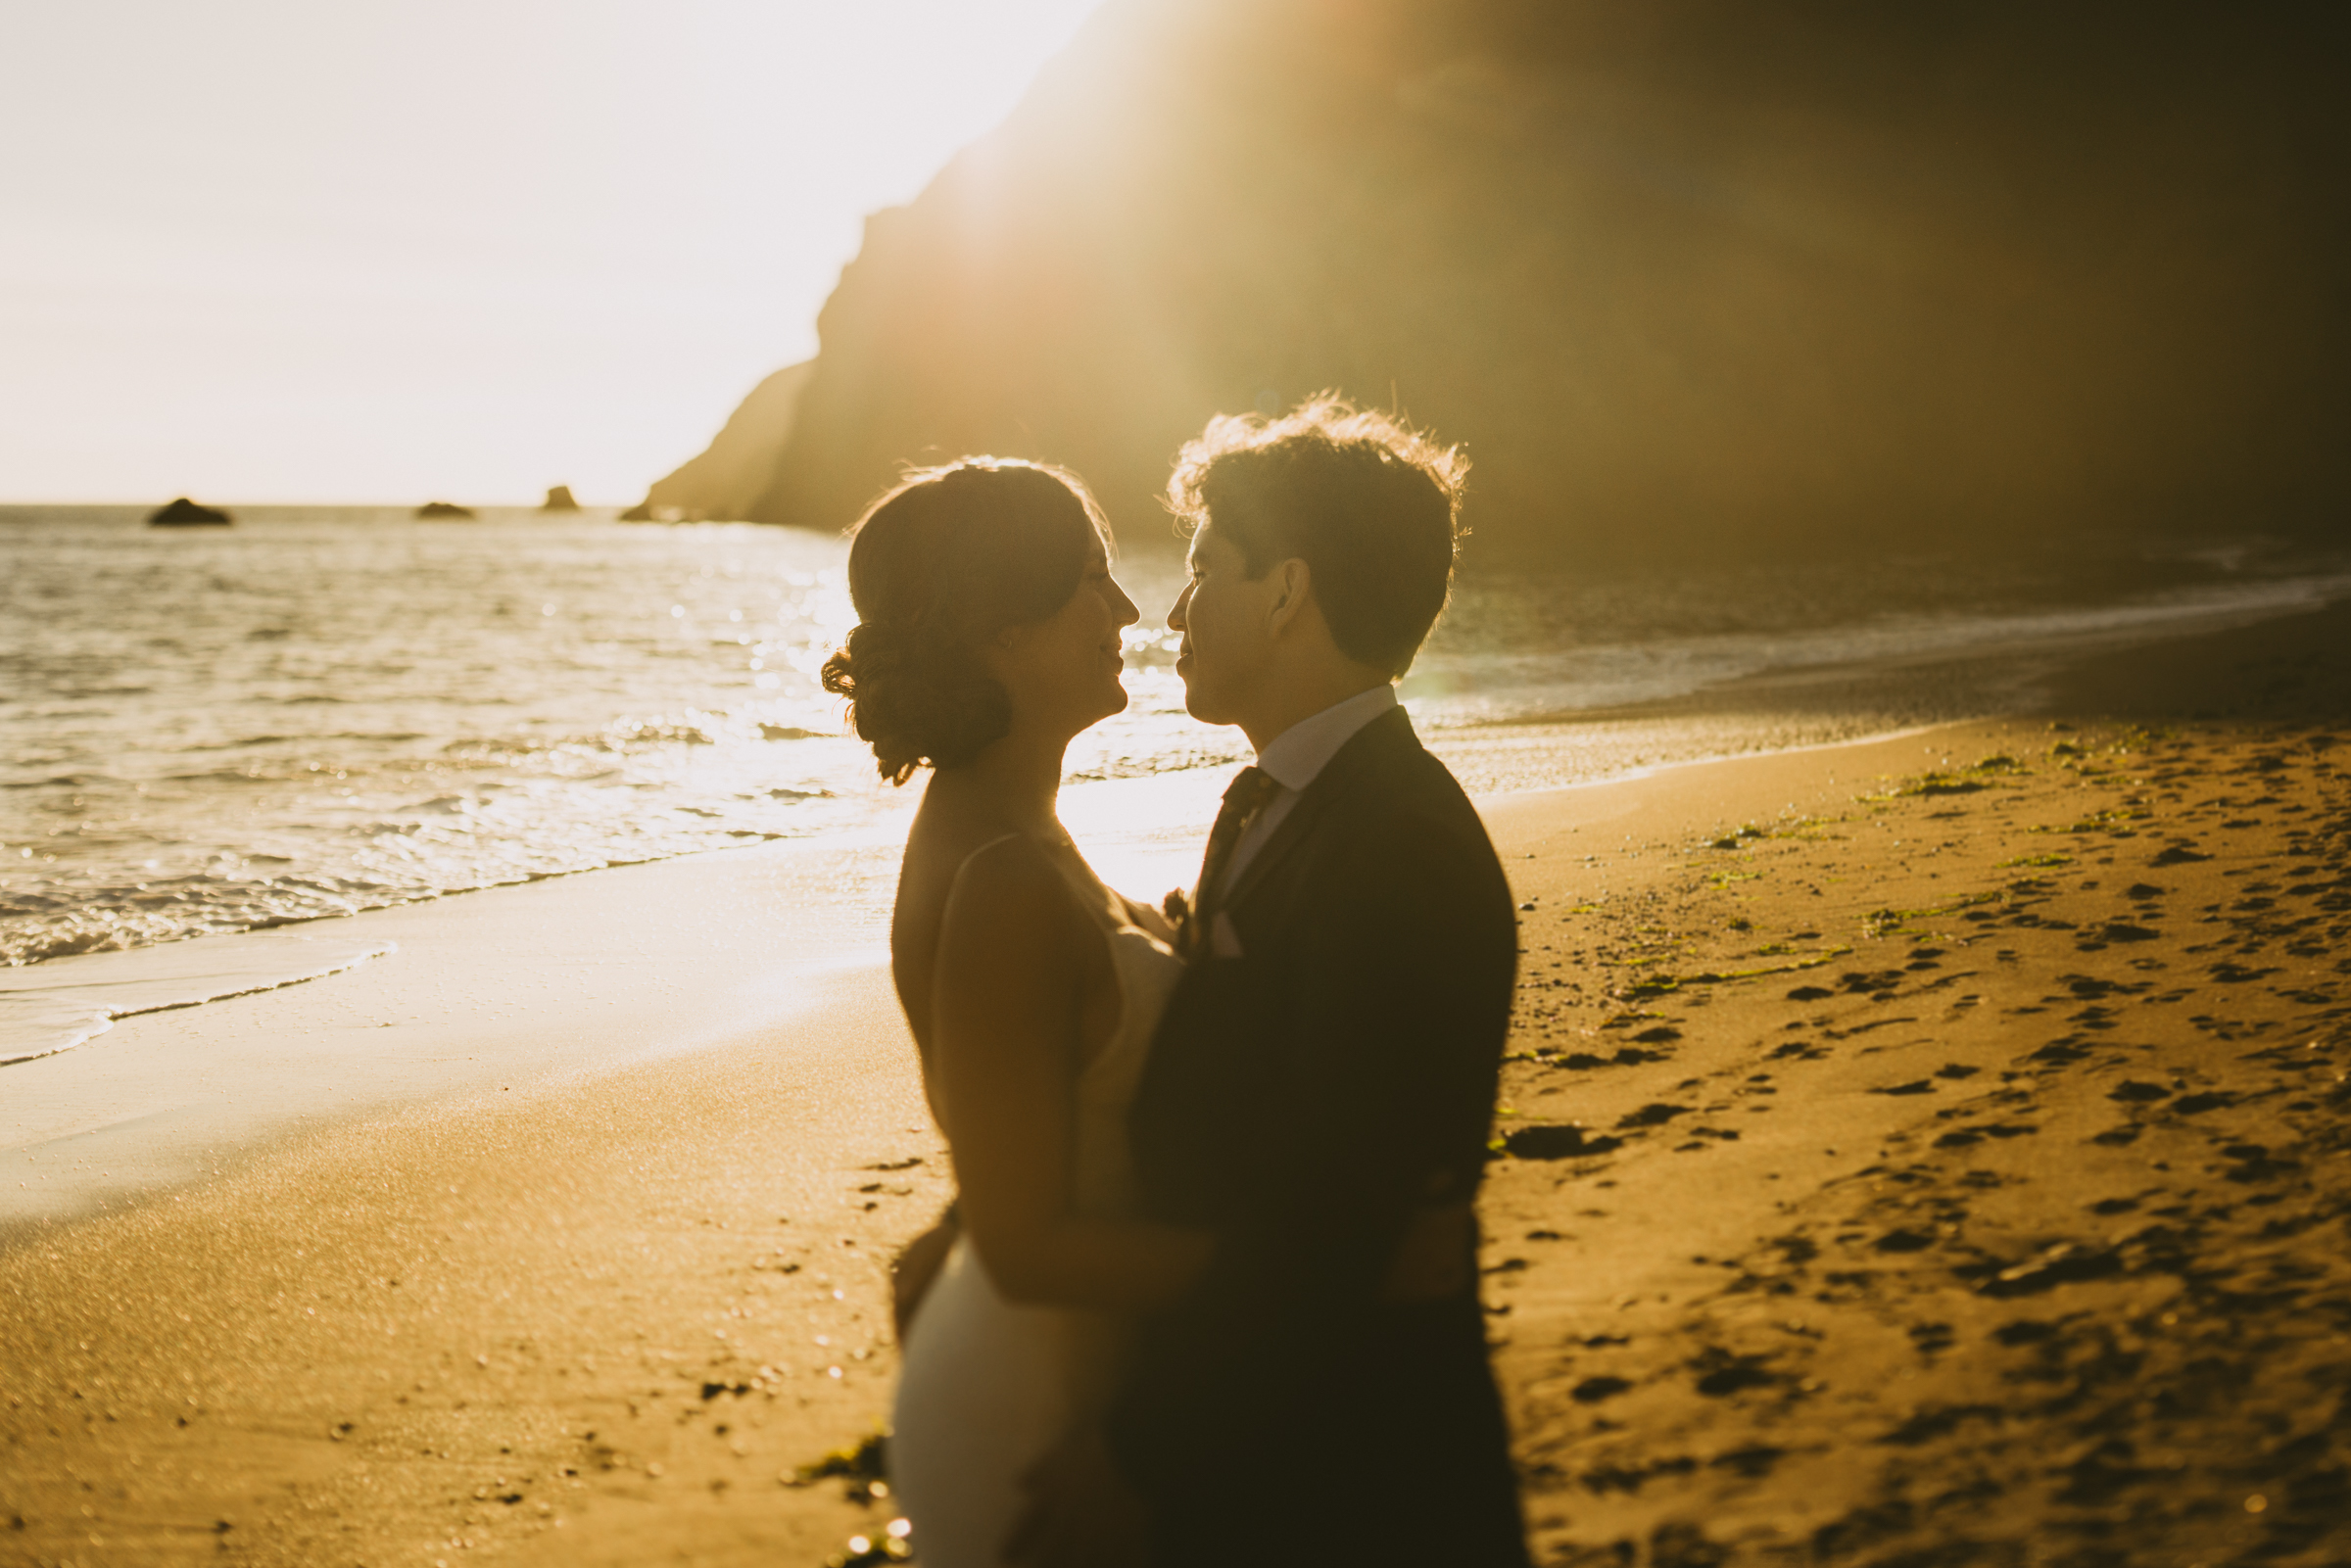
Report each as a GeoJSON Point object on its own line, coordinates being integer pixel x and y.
{"type": "Point", "coordinates": [367, 251]}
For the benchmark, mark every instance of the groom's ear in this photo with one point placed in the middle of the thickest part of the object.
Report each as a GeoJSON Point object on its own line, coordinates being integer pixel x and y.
{"type": "Point", "coordinates": [1293, 584]}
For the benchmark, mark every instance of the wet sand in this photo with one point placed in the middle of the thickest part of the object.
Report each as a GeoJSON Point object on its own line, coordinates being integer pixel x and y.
{"type": "Point", "coordinates": [1947, 1170]}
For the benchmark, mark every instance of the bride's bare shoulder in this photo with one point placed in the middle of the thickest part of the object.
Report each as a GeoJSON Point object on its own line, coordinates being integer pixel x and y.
{"type": "Point", "coordinates": [1010, 876]}
{"type": "Point", "coordinates": [969, 903]}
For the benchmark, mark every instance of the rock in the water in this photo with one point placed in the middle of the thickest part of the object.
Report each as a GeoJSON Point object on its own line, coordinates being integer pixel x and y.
{"type": "Point", "coordinates": [185, 514]}
{"type": "Point", "coordinates": [558, 500]}
{"type": "Point", "coordinates": [445, 511]}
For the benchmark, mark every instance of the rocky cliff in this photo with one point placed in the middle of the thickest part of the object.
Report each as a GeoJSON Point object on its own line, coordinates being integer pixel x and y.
{"type": "Point", "coordinates": [725, 479]}
{"type": "Point", "coordinates": [1747, 275]}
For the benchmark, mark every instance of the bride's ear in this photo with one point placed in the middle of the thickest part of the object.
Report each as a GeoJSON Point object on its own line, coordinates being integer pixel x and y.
{"type": "Point", "coordinates": [1000, 652]}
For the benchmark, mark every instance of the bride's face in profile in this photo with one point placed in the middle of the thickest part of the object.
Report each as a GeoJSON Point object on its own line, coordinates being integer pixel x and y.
{"type": "Point", "coordinates": [1063, 672]}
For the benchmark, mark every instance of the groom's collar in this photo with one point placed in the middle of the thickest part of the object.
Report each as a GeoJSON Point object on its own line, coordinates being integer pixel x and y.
{"type": "Point", "coordinates": [1376, 736]}
{"type": "Point", "coordinates": [1299, 754]}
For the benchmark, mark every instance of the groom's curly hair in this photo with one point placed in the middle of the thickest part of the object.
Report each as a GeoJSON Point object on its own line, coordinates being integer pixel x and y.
{"type": "Point", "coordinates": [1370, 505]}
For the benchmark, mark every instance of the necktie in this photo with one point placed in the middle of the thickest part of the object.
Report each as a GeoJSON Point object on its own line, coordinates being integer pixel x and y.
{"type": "Point", "coordinates": [1251, 788]}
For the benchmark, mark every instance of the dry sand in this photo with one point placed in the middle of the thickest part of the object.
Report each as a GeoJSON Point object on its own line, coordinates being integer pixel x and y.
{"type": "Point", "coordinates": [1946, 1171]}
{"type": "Point", "coordinates": [1933, 1151]}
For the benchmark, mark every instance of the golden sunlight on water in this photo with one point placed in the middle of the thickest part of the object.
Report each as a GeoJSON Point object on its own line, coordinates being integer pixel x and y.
{"type": "Point", "coordinates": [323, 710]}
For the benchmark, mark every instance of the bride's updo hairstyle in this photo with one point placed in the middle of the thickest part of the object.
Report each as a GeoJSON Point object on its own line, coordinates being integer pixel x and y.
{"type": "Point", "coordinates": [949, 558]}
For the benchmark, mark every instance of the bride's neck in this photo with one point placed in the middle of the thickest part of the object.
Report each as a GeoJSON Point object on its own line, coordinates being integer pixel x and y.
{"type": "Point", "coordinates": [1016, 780]}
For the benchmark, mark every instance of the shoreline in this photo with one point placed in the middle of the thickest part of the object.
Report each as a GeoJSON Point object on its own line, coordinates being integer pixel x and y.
{"type": "Point", "coordinates": [99, 895]}
{"type": "Point", "coordinates": [181, 1084]}
{"type": "Point", "coordinates": [637, 1292]}
{"type": "Point", "coordinates": [1773, 710]}
{"type": "Point", "coordinates": [511, 986]}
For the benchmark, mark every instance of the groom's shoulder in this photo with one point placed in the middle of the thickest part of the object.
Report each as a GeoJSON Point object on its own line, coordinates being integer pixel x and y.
{"type": "Point", "coordinates": [1401, 775]}
{"type": "Point", "coordinates": [1407, 794]}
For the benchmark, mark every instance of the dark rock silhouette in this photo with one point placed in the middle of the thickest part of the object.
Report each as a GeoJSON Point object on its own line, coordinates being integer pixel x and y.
{"type": "Point", "coordinates": [558, 500]}
{"type": "Point", "coordinates": [445, 511]}
{"type": "Point", "coordinates": [185, 514]}
{"type": "Point", "coordinates": [1695, 275]}
{"type": "Point", "coordinates": [725, 479]}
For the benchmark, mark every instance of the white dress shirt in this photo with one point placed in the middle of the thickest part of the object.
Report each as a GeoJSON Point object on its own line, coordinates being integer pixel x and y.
{"type": "Point", "coordinates": [1297, 756]}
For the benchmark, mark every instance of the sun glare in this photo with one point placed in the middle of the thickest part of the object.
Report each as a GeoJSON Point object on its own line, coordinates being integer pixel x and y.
{"type": "Point", "coordinates": [272, 251]}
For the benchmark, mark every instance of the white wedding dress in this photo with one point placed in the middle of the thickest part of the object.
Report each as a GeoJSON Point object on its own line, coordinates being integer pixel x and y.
{"type": "Point", "coordinates": [987, 1386]}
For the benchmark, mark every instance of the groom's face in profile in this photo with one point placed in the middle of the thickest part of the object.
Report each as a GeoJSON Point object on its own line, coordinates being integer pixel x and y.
{"type": "Point", "coordinates": [1225, 619]}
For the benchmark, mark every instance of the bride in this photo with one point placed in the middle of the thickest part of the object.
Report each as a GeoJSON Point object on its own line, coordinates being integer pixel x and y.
{"type": "Point", "coordinates": [987, 638]}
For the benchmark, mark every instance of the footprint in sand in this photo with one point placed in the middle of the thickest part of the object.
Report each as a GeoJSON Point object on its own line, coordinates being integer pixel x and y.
{"type": "Point", "coordinates": [1557, 1142]}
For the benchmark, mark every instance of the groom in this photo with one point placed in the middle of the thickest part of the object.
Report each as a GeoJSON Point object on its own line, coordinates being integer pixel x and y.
{"type": "Point", "coordinates": [1321, 1091]}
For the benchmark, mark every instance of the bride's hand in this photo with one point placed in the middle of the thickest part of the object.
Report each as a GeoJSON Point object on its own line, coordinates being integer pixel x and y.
{"type": "Point", "coordinates": [1153, 921]}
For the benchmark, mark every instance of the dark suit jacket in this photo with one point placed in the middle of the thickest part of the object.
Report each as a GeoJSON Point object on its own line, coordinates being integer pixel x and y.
{"type": "Point", "coordinates": [1301, 1101]}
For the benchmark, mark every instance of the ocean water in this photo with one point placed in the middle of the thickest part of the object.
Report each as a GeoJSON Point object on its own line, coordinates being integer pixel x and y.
{"type": "Point", "coordinates": [325, 710]}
